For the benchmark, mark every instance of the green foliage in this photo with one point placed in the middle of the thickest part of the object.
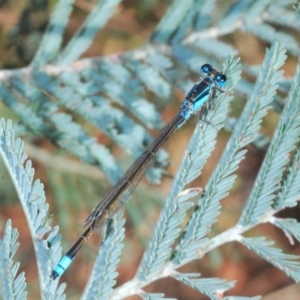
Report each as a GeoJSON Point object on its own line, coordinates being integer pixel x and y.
{"type": "Point", "coordinates": [61, 96]}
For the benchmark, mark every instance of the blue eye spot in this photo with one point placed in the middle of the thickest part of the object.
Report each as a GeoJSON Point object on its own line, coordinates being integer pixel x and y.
{"type": "Point", "coordinates": [221, 79]}
{"type": "Point", "coordinates": [207, 68]}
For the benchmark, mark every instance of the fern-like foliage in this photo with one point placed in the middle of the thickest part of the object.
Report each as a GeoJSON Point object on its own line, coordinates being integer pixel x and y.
{"type": "Point", "coordinates": [61, 96]}
{"type": "Point", "coordinates": [146, 296]}
{"type": "Point", "coordinates": [51, 43]}
{"type": "Point", "coordinates": [12, 286]}
{"type": "Point", "coordinates": [283, 142]}
{"type": "Point", "coordinates": [285, 262]}
{"type": "Point", "coordinates": [222, 180]}
{"type": "Point", "coordinates": [212, 287]}
{"type": "Point", "coordinates": [32, 198]}
{"type": "Point", "coordinates": [100, 283]}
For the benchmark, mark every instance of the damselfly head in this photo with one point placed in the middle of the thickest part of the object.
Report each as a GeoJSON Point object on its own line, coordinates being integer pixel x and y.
{"type": "Point", "coordinates": [214, 74]}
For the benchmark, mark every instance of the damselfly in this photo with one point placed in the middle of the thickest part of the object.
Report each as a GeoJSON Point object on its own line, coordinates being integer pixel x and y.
{"type": "Point", "coordinates": [198, 96]}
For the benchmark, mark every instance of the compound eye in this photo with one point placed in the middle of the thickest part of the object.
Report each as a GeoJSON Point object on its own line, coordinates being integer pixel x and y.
{"type": "Point", "coordinates": [221, 79]}
{"type": "Point", "coordinates": [207, 68]}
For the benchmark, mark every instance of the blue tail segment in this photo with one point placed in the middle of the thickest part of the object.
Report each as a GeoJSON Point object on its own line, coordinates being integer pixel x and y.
{"type": "Point", "coordinates": [196, 98]}
{"type": "Point", "coordinates": [60, 268]}
{"type": "Point", "coordinates": [66, 260]}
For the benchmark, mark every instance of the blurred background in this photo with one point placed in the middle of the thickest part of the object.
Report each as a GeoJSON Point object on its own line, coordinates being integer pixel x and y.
{"type": "Point", "coordinates": [73, 188]}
